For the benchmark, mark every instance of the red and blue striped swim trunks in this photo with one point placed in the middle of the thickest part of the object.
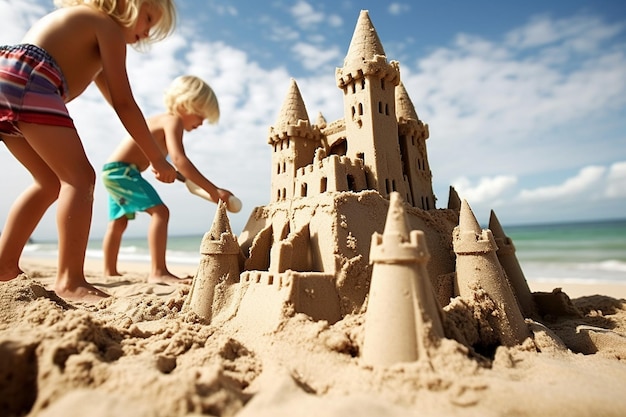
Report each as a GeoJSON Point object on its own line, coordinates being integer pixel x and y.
{"type": "Point", "coordinates": [32, 89]}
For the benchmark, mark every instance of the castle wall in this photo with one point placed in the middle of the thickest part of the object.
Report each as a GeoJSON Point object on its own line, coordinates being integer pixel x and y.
{"type": "Point", "coordinates": [333, 173]}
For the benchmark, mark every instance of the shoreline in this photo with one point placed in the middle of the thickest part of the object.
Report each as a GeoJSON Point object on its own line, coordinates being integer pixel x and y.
{"type": "Point", "coordinates": [93, 268]}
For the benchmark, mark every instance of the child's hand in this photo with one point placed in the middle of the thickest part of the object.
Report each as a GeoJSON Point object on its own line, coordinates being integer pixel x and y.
{"type": "Point", "coordinates": [224, 194]}
{"type": "Point", "coordinates": [164, 171]}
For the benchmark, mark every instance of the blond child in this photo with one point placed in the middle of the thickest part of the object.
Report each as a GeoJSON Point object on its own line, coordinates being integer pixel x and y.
{"type": "Point", "coordinates": [188, 101]}
{"type": "Point", "coordinates": [80, 42]}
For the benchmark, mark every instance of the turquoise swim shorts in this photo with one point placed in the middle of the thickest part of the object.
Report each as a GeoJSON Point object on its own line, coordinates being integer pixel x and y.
{"type": "Point", "coordinates": [129, 192]}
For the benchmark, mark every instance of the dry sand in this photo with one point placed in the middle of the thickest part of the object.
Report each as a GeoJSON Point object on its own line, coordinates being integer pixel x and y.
{"type": "Point", "coordinates": [136, 354]}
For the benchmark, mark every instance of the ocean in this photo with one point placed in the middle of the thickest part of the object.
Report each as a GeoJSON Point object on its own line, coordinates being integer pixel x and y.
{"type": "Point", "coordinates": [582, 252]}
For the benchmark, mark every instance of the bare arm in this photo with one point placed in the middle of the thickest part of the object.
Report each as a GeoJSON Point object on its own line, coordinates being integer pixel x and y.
{"type": "Point", "coordinates": [115, 87]}
{"type": "Point", "coordinates": [174, 141]}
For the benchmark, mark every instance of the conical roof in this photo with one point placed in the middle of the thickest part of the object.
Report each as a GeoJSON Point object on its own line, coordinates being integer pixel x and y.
{"type": "Point", "coordinates": [405, 110]}
{"type": "Point", "coordinates": [293, 108]}
{"type": "Point", "coordinates": [365, 43]}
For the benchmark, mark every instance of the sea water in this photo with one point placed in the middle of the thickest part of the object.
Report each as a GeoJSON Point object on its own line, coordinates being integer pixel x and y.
{"type": "Point", "coordinates": [583, 252]}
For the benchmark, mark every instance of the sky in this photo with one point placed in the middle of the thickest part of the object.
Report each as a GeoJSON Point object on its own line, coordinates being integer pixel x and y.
{"type": "Point", "coordinates": [525, 100]}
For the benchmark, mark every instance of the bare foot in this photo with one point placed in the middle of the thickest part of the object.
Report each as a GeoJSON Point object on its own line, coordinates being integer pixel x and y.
{"type": "Point", "coordinates": [112, 274]}
{"type": "Point", "coordinates": [84, 292]}
{"type": "Point", "coordinates": [6, 276]}
{"type": "Point", "coordinates": [168, 279]}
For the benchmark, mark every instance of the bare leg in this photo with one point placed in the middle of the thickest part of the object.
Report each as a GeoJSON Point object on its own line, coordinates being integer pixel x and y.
{"type": "Point", "coordinates": [63, 153]}
{"type": "Point", "coordinates": [111, 245]}
{"type": "Point", "coordinates": [27, 210]}
{"type": "Point", "coordinates": [157, 241]}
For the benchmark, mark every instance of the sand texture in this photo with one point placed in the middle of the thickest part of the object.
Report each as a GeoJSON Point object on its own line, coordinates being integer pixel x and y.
{"type": "Point", "coordinates": [137, 354]}
{"type": "Point", "coordinates": [350, 293]}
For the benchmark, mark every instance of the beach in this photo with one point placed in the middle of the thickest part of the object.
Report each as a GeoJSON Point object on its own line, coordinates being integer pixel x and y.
{"type": "Point", "coordinates": [137, 354]}
{"type": "Point", "coordinates": [137, 269]}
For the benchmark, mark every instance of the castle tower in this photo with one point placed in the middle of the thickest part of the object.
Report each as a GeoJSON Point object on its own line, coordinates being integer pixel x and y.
{"type": "Point", "coordinates": [403, 317]}
{"type": "Point", "coordinates": [510, 264]}
{"type": "Point", "coordinates": [412, 135]}
{"type": "Point", "coordinates": [368, 83]}
{"type": "Point", "coordinates": [219, 265]}
{"type": "Point", "coordinates": [294, 141]}
{"type": "Point", "coordinates": [477, 267]}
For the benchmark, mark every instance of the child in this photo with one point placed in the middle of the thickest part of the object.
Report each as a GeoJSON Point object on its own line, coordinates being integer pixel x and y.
{"type": "Point", "coordinates": [81, 42]}
{"type": "Point", "coordinates": [188, 101]}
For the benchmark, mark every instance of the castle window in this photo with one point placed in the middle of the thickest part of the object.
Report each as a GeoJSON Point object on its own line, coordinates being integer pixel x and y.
{"type": "Point", "coordinates": [351, 183]}
{"type": "Point", "coordinates": [353, 112]}
{"type": "Point", "coordinates": [284, 193]}
{"type": "Point", "coordinates": [284, 166]}
{"type": "Point", "coordinates": [278, 168]}
{"type": "Point", "coordinates": [382, 83]}
{"type": "Point", "coordinates": [303, 190]}
{"type": "Point", "coordinates": [380, 107]}
{"type": "Point", "coordinates": [393, 185]}
{"type": "Point", "coordinates": [353, 88]}
{"type": "Point", "coordinates": [288, 143]}
{"type": "Point", "coordinates": [363, 84]}
{"type": "Point", "coordinates": [324, 185]}
{"type": "Point", "coordinates": [361, 109]}
{"type": "Point", "coordinates": [387, 109]}
{"type": "Point", "coordinates": [387, 186]}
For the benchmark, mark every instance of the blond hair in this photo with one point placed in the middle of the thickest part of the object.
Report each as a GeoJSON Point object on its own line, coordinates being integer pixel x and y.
{"type": "Point", "coordinates": [194, 96]}
{"type": "Point", "coordinates": [128, 15]}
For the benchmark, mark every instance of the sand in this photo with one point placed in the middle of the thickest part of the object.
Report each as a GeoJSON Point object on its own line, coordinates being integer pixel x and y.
{"type": "Point", "coordinates": [136, 354]}
{"type": "Point", "coordinates": [284, 330]}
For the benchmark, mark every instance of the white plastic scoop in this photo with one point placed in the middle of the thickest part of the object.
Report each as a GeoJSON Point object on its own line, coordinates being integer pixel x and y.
{"type": "Point", "coordinates": [233, 204]}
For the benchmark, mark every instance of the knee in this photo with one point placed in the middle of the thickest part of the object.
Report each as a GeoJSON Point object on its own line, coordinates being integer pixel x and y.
{"type": "Point", "coordinates": [49, 188]}
{"type": "Point", "coordinates": [161, 212]}
{"type": "Point", "coordinates": [118, 226]}
{"type": "Point", "coordinates": [84, 181]}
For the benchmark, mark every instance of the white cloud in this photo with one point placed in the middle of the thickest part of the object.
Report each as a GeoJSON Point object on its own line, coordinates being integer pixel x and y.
{"type": "Point", "coordinates": [580, 33]}
{"type": "Point", "coordinates": [314, 57]}
{"type": "Point", "coordinates": [487, 189]}
{"type": "Point", "coordinates": [398, 8]}
{"type": "Point", "coordinates": [305, 14]}
{"type": "Point", "coordinates": [586, 182]}
{"type": "Point", "coordinates": [616, 180]}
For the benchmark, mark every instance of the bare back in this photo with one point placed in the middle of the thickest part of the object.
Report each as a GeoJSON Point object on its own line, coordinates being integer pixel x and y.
{"type": "Point", "coordinates": [167, 132]}
{"type": "Point", "coordinates": [80, 39]}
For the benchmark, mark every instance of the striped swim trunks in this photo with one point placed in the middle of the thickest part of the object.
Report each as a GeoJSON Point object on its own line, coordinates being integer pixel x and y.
{"type": "Point", "coordinates": [32, 89]}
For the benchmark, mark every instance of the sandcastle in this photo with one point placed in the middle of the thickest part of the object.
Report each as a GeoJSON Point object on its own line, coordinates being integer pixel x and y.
{"type": "Point", "coordinates": [352, 227]}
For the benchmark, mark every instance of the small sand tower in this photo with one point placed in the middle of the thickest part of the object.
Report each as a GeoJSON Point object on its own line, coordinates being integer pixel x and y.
{"type": "Point", "coordinates": [512, 268]}
{"type": "Point", "coordinates": [477, 267]}
{"type": "Point", "coordinates": [219, 264]}
{"type": "Point", "coordinates": [403, 316]}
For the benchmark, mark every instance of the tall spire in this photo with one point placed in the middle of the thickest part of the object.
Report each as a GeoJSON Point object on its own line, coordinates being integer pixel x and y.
{"type": "Point", "coordinates": [293, 108]}
{"type": "Point", "coordinates": [405, 110]}
{"type": "Point", "coordinates": [365, 43]}
{"type": "Point", "coordinates": [512, 268]}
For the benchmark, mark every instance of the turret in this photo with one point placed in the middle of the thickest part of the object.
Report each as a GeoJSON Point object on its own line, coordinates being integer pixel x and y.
{"type": "Point", "coordinates": [294, 141]}
{"type": "Point", "coordinates": [219, 265]}
{"type": "Point", "coordinates": [368, 83]}
{"type": "Point", "coordinates": [478, 268]}
{"type": "Point", "coordinates": [403, 318]}
{"type": "Point", "coordinates": [412, 135]}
